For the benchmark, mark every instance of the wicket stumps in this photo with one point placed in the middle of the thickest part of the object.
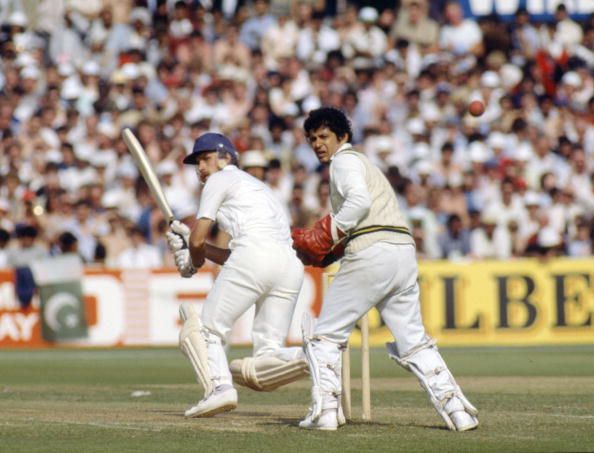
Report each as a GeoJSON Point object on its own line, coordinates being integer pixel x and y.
{"type": "Point", "coordinates": [346, 368]}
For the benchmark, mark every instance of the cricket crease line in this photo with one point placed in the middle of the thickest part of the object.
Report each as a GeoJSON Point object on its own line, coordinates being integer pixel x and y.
{"type": "Point", "coordinates": [105, 425]}
{"type": "Point", "coordinates": [560, 415]}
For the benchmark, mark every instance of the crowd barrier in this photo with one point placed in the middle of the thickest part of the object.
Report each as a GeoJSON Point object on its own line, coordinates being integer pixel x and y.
{"type": "Point", "coordinates": [519, 302]}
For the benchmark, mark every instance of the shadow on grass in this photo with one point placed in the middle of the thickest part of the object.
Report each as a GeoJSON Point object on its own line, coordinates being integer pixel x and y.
{"type": "Point", "coordinates": [235, 413]}
{"type": "Point", "coordinates": [252, 413]}
{"type": "Point", "coordinates": [294, 422]}
{"type": "Point", "coordinates": [422, 426]}
{"type": "Point", "coordinates": [169, 413]}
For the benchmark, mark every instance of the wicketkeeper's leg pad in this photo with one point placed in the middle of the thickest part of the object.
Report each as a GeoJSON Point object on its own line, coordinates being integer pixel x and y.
{"type": "Point", "coordinates": [266, 373]}
{"type": "Point", "coordinates": [426, 363]}
{"type": "Point", "coordinates": [325, 363]}
{"type": "Point", "coordinates": [194, 346]}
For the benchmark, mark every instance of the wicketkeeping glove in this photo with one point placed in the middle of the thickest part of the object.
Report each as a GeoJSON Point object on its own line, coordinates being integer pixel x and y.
{"type": "Point", "coordinates": [319, 246]}
{"type": "Point", "coordinates": [178, 237]}
{"type": "Point", "coordinates": [183, 261]}
{"type": "Point", "coordinates": [325, 260]}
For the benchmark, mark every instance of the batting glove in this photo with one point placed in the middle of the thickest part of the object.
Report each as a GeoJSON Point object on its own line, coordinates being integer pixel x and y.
{"type": "Point", "coordinates": [178, 237]}
{"type": "Point", "coordinates": [183, 261]}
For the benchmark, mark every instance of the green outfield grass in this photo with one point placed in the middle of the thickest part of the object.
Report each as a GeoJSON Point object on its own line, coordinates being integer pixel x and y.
{"type": "Point", "coordinates": [530, 400]}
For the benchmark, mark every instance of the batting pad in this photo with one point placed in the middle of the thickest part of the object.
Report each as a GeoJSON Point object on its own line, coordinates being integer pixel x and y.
{"type": "Point", "coordinates": [188, 310]}
{"type": "Point", "coordinates": [194, 347]}
{"type": "Point", "coordinates": [265, 374]}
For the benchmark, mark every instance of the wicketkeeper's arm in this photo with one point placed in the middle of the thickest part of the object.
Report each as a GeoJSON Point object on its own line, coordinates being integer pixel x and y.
{"type": "Point", "coordinates": [348, 174]}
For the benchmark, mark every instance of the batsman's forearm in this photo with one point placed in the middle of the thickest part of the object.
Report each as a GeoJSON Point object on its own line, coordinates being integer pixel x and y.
{"type": "Point", "coordinates": [216, 254]}
{"type": "Point", "coordinates": [197, 253]}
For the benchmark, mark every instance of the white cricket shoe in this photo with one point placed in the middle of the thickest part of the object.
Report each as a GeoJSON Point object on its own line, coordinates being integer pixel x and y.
{"type": "Point", "coordinates": [217, 402]}
{"type": "Point", "coordinates": [462, 420]}
{"type": "Point", "coordinates": [328, 421]}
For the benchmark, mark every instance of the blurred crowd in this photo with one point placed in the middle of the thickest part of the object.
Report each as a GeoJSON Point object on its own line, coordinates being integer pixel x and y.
{"type": "Point", "coordinates": [515, 181]}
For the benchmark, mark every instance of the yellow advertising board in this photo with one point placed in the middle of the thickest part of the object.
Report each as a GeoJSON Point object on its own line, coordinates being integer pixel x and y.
{"type": "Point", "coordinates": [518, 302]}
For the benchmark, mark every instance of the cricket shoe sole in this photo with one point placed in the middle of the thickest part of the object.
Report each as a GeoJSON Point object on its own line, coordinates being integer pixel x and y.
{"type": "Point", "coordinates": [215, 403]}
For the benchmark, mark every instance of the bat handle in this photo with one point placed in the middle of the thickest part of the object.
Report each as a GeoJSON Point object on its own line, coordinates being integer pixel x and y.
{"type": "Point", "coordinates": [185, 246]}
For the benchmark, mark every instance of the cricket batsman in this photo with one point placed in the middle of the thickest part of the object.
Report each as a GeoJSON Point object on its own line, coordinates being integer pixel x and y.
{"type": "Point", "coordinates": [259, 268]}
{"type": "Point", "coordinates": [379, 269]}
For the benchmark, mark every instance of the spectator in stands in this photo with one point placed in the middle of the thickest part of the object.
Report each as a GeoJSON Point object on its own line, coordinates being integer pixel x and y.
{"type": "Point", "coordinates": [4, 241]}
{"type": "Point", "coordinates": [490, 241]}
{"type": "Point", "coordinates": [323, 207]}
{"type": "Point", "coordinates": [5, 218]}
{"type": "Point", "coordinates": [139, 255]}
{"type": "Point", "coordinates": [258, 25]}
{"type": "Point", "coordinates": [460, 36]}
{"type": "Point", "coordinates": [67, 243]}
{"type": "Point", "coordinates": [568, 33]}
{"type": "Point", "coordinates": [524, 34]}
{"type": "Point", "coordinates": [232, 50]}
{"type": "Point", "coordinates": [509, 206]}
{"type": "Point", "coordinates": [316, 38]}
{"type": "Point", "coordinates": [28, 248]}
{"type": "Point", "coordinates": [20, 259]}
{"type": "Point", "coordinates": [175, 72]}
{"type": "Point", "coordinates": [279, 42]}
{"type": "Point", "coordinates": [580, 244]}
{"type": "Point", "coordinates": [86, 227]}
{"type": "Point", "coordinates": [367, 42]}
{"type": "Point", "coordinates": [454, 243]}
{"type": "Point", "coordinates": [117, 238]}
{"type": "Point", "coordinates": [415, 26]}
{"type": "Point", "coordinates": [255, 163]}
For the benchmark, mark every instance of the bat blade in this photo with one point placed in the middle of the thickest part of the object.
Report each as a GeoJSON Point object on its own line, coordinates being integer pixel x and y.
{"type": "Point", "coordinates": [148, 173]}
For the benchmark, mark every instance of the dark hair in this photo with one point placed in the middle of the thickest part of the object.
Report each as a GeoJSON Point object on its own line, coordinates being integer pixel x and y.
{"type": "Point", "coordinates": [67, 240]}
{"type": "Point", "coordinates": [453, 218]}
{"type": "Point", "coordinates": [274, 164]}
{"type": "Point", "coordinates": [330, 117]}
{"type": "Point", "coordinates": [447, 146]}
{"type": "Point", "coordinates": [26, 231]}
{"type": "Point", "coordinates": [4, 236]}
{"type": "Point", "coordinates": [100, 252]}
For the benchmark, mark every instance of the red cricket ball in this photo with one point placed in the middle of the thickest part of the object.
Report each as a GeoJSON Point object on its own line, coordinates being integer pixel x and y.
{"type": "Point", "coordinates": [476, 108]}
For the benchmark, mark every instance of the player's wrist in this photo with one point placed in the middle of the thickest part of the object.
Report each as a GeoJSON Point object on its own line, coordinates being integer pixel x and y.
{"type": "Point", "coordinates": [336, 232]}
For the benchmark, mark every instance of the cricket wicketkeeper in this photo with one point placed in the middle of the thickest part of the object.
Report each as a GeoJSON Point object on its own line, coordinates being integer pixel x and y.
{"type": "Point", "coordinates": [259, 268]}
{"type": "Point", "coordinates": [379, 269]}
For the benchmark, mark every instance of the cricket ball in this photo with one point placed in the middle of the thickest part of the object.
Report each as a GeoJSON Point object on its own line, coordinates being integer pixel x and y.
{"type": "Point", "coordinates": [476, 108]}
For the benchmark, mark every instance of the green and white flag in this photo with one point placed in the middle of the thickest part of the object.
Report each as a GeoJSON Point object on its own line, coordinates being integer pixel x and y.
{"type": "Point", "coordinates": [62, 304]}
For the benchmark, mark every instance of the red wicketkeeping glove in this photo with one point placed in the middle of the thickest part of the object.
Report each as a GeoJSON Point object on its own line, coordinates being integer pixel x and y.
{"type": "Point", "coordinates": [315, 246]}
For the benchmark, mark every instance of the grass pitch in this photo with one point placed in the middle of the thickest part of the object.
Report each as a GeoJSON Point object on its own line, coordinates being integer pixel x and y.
{"type": "Point", "coordinates": [530, 400]}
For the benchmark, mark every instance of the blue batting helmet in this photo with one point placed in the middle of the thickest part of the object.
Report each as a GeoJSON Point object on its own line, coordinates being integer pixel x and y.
{"type": "Point", "coordinates": [209, 142]}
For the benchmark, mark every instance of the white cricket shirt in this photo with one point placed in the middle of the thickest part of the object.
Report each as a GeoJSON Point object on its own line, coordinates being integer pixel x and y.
{"type": "Point", "coordinates": [361, 197]}
{"type": "Point", "coordinates": [244, 207]}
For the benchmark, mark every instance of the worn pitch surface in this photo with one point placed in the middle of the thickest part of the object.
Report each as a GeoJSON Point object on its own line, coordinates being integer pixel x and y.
{"type": "Point", "coordinates": [530, 399]}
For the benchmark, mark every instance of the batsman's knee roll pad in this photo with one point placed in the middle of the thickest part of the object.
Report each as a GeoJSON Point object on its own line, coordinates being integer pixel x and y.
{"type": "Point", "coordinates": [426, 363]}
{"type": "Point", "coordinates": [267, 373]}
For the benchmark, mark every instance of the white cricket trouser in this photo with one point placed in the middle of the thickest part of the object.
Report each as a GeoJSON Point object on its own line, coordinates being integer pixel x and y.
{"type": "Point", "coordinates": [268, 275]}
{"type": "Point", "coordinates": [383, 275]}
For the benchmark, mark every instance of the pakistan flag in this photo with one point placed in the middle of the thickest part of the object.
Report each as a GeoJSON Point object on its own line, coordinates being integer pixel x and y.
{"type": "Point", "coordinates": [62, 304]}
